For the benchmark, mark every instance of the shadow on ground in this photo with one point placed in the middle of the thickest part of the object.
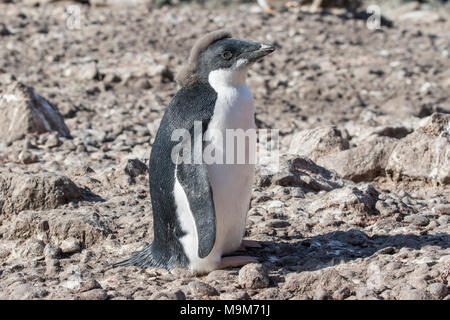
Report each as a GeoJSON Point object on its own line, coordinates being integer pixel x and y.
{"type": "Point", "coordinates": [335, 247]}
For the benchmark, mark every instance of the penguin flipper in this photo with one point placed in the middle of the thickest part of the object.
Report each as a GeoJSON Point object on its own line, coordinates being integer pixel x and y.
{"type": "Point", "coordinates": [195, 182]}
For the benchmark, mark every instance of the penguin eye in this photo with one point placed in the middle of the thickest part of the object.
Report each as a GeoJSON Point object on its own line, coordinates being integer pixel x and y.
{"type": "Point", "coordinates": [227, 55]}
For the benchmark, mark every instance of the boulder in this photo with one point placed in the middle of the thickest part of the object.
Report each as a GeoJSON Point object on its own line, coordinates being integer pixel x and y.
{"type": "Point", "coordinates": [300, 172]}
{"type": "Point", "coordinates": [360, 201]}
{"type": "Point", "coordinates": [317, 142]}
{"type": "Point", "coordinates": [425, 153]}
{"type": "Point", "coordinates": [20, 192]}
{"type": "Point", "coordinates": [23, 110]}
{"type": "Point", "coordinates": [66, 228]}
{"type": "Point", "coordinates": [362, 163]}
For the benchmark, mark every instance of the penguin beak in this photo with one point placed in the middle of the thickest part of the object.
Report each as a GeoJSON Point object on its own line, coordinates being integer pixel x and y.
{"type": "Point", "coordinates": [262, 51]}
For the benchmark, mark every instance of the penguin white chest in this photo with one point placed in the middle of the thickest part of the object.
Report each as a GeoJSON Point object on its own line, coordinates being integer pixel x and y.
{"type": "Point", "coordinates": [231, 181]}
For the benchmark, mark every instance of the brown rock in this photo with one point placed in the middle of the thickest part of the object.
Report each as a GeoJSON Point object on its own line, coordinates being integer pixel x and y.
{"type": "Point", "coordinates": [95, 294]}
{"type": "Point", "coordinates": [362, 163]}
{"type": "Point", "coordinates": [425, 153]}
{"type": "Point", "coordinates": [70, 245]}
{"type": "Point", "coordinates": [253, 276]}
{"type": "Point", "coordinates": [23, 111]}
{"type": "Point", "coordinates": [35, 191]}
{"type": "Point", "coordinates": [202, 289]}
{"type": "Point", "coordinates": [348, 200]}
{"type": "Point", "coordinates": [318, 142]}
{"type": "Point", "coordinates": [300, 172]}
{"type": "Point", "coordinates": [80, 224]}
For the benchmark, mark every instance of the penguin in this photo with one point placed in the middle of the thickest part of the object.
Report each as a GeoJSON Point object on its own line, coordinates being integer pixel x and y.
{"type": "Point", "coordinates": [200, 208]}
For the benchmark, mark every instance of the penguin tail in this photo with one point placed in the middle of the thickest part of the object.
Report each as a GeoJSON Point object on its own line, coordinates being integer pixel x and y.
{"type": "Point", "coordinates": [143, 258]}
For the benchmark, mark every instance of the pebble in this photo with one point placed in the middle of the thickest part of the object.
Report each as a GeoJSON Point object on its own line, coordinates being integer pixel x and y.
{"type": "Point", "coordinates": [417, 220]}
{"type": "Point", "coordinates": [438, 289]}
{"type": "Point", "coordinates": [202, 289]}
{"type": "Point", "coordinates": [70, 245]}
{"type": "Point", "coordinates": [253, 276]}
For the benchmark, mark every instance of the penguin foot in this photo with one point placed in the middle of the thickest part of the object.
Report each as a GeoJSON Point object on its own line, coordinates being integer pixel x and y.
{"type": "Point", "coordinates": [249, 244]}
{"type": "Point", "coordinates": [291, 4]}
{"type": "Point", "coordinates": [236, 261]}
{"type": "Point", "coordinates": [267, 9]}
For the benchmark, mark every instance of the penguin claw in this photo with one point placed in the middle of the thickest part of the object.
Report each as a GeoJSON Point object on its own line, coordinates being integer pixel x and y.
{"type": "Point", "coordinates": [236, 261]}
{"type": "Point", "coordinates": [267, 9]}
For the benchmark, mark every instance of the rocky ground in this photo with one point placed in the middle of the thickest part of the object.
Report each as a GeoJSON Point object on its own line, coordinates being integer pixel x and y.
{"type": "Point", "coordinates": [360, 207]}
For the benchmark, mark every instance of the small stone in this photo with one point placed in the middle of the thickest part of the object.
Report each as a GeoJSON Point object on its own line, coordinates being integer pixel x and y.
{"type": "Point", "coordinates": [27, 157]}
{"type": "Point", "coordinates": [387, 250]}
{"type": "Point", "coordinates": [70, 245]}
{"type": "Point", "coordinates": [417, 220]}
{"type": "Point", "coordinates": [443, 209]}
{"type": "Point", "coordinates": [85, 71]}
{"type": "Point", "coordinates": [277, 223]}
{"type": "Point", "coordinates": [168, 295]}
{"type": "Point", "coordinates": [52, 141]}
{"type": "Point", "coordinates": [144, 84]}
{"type": "Point", "coordinates": [253, 276]}
{"type": "Point", "coordinates": [219, 275]}
{"type": "Point", "coordinates": [135, 167]}
{"type": "Point", "coordinates": [202, 289]}
{"type": "Point", "coordinates": [444, 220]}
{"type": "Point", "coordinates": [413, 294]}
{"type": "Point", "coordinates": [321, 294]}
{"type": "Point", "coordinates": [89, 284]}
{"type": "Point", "coordinates": [438, 289]}
{"type": "Point", "coordinates": [18, 114]}
{"type": "Point", "coordinates": [341, 294]}
{"type": "Point", "coordinates": [27, 291]}
{"type": "Point", "coordinates": [51, 251]}
{"type": "Point", "coordinates": [240, 295]}
{"type": "Point", "coordinates": [95, 294]}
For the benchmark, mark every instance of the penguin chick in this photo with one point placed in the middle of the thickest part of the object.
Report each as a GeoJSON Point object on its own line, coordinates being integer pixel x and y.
{"type": "Point", "coordinates": [200, 207]}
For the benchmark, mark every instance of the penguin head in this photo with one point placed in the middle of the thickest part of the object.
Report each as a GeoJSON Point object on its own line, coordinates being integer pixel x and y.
{"type": "Point", "coordinates": [219, 59]}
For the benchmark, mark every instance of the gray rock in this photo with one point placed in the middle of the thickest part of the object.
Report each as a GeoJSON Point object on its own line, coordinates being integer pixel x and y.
{"type": "Point", "coordinates": [443, 209]}
{"type": "Point", "coordinates": [438, 289]}
{"type": "Point", "coordinates": [321, 294]}
{"type": "Point", "coordinates": [420, 16]}
{"type": "Point", "coordinates": [51, 251]}
{"type": "Point", "coordinates": [423, 155]}
{"type": "Point", "coordinates": [31, 248]}
{"type": "Point", "coordinates": [62, 224]}
{"type": "Point", "coordinates": [70, 245]}
{"type": "Point", "coordinates": [52, 140]}
{"type": "Point", "coordinates": [135, 167]}
{"type": "Point", "coordinates": [417, 220]}
{"type": "Point", "coordinates": [24, 111]}
{"type": "Point", "coordinates": [82, 71]}
{"type": "Point", "coordinates": [362, 163]}
{"type": "Point", "coordinates": [299, 172]}
{"type": "Point", "coordinates": [28, 291]}
{"type": "Point", "coordinates": [348, 200]}
{"type": "Point", "coordinates": [318, 142]}
{"type": "Point", "coordinates": [168, 295]}
{"type": "Point", "coordinates": [202, 289]}
{"type": "Point", "coordinates": [414, 294]}
{"type": "Point", "coordinates": [95, 294]}
{"type": "Point", "coordinates": [239, 295]}
{"type": "Point", "coordinates": [35, 191]}
{"type": "Point", "coordinates": [253, 276]}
